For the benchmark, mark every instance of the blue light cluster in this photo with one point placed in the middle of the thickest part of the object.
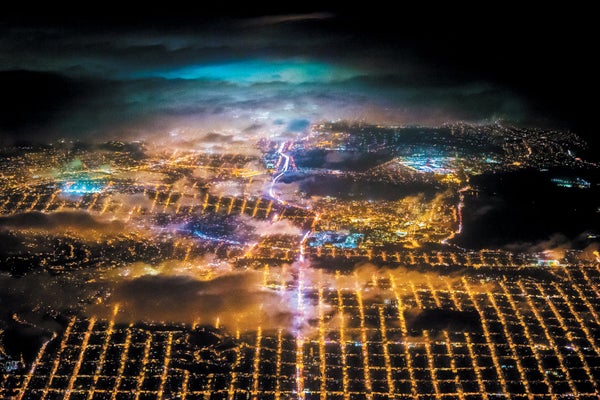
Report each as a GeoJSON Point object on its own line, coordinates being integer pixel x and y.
{"type": "Point", "coordinates": [572, 182]}
{"type": "Point", "coordinates": [82, 187]}
{"type": "Point", "coordinates": [548, 263]}
{"type": "Point", "coordinates": [336, 239]}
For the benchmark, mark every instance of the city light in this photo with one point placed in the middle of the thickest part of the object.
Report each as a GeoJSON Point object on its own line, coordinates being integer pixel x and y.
{"type": "Point", "coordinates": [291, 294]}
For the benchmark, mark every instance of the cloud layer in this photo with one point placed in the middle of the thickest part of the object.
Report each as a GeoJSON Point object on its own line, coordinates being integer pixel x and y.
{"type": "Point", "coordinates": [278, 73]}
{"type": "Point", "coordinates": [236, 300]}
{"type": "Point", "coordinates": [58, 221]}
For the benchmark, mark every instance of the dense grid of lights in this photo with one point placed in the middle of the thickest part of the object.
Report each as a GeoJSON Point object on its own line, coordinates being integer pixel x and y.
{"type": "Point", "coordinates": [534, 340]}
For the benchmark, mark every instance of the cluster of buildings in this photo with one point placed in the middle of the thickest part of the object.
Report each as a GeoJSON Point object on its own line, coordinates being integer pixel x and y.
{"type": "Point", "coordinates": [439, 322]}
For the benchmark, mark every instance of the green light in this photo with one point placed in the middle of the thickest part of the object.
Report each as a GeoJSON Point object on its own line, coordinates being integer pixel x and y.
{"type": "Point", "coordinates": [257, 71]}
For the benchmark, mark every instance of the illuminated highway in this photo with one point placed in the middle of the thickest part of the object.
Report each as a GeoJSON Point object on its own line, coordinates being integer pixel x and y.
{"type": "Point", "coordinates": [300, 319]}
{"type": "Point", "coordinates": [281, 172]}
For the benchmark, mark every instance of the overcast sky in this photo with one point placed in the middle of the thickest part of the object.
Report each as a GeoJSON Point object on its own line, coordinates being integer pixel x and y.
{"type": "Point", "coordinates": [104, 77]}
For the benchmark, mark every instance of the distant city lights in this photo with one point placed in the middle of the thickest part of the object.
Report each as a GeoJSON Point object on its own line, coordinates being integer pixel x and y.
{"type": "Point", "coordinates": [424, 164]}
{"type": "Point", "coordinates": [80, 187]}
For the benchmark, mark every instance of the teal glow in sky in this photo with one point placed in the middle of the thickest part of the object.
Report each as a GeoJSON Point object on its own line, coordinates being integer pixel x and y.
{"type": "Point", "coordinates": [258, 71]}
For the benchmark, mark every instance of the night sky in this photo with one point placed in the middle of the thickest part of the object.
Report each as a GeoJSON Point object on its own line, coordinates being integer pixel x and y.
{"type": "Point", "coordinates": [106, 74]}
